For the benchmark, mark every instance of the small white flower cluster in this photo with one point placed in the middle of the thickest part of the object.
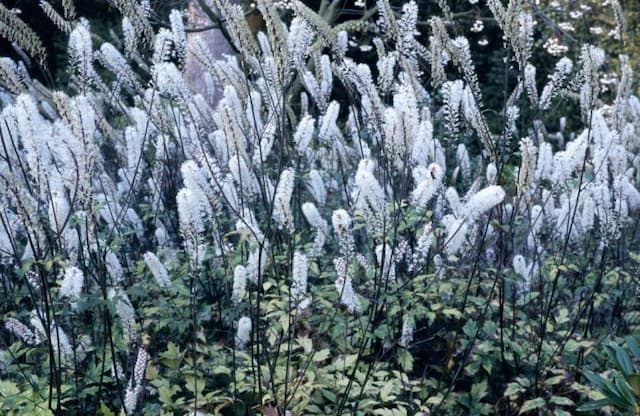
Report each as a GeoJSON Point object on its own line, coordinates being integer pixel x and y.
{"type": "Point", "coordinates": [554, 47]}
{"type": "Point", "coordinates": [478, 26]}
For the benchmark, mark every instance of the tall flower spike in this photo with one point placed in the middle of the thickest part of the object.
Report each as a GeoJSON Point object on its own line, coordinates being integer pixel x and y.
{"type": "Point", "coordinates": [243, 332]}
{"type": "Point", "coordinates": [407, 331]}
{"type": "Point", "coordinates": [136, 382]}
{"type": "Point", "coordinates": [344, 287]}
{"type": "Point", "coordinates": [484, 200]}
{"type": "Point", "coordinates": [71, 285]}
{"type": "Point", "coordinates": [455, 234]}
{"type": "Point", "coordinates": [452, 93]}
{"type": "Point", "coordinates": [158, 271]}
{"type": "Point", "coordinates": [298, 41]}
{"type": "Point", "coordinates": [239, 284]}
{"type": "Point", "coordinates": [316, 187]}
{"type": "Point", "coordinates": [370, 193]}
{"type": "Point", "coordinates": [299, 280]}
{"type": "Point", "coordinates": [428, 181]}
{"type": "Point", "coordinates": [592, 59]}
{"type": "Point", "coordinates": [178, 35]}
{"type": "Point", "coordinates": [21, 331]}
{"type": "Point", "coordinates": [563, 69]}
{"type": "Point", "coordinates": [81, 53]}
{"type": "Point", "coordinates": [282, 213]}
{"type": "Point", "coordinates": [314, 218]}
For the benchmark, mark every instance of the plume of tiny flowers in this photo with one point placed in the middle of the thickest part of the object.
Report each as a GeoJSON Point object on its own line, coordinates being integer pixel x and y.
{"type": "Point", "coordinates": [525, 270]}
{"type": "Point", "coordinates": [344, 287]}
{"type": "Point", "coordinates": [299, 281]}
{"type": "Point", "coordinates": [124, 311]}
{"type": "Point", "coordinates": [59, 339]}
{"type": "Point", "coordinates": [191, 223]}
{"type": "Point", "coordinates": [455, 231]}
{"type": "Point", "coordinates": [369, 192]}
{"type": "Point", "coordinates": [111, 58]}
{"type": "Point", "coordinates": [428, 181]}
{"type": "Point", "coordinates": [304, 135]}
{"type": "Point", "coordinates": [341, 221]}
{"type": "Point", "coordinates": [524, 43]}
{"type": "Point", "coordinates": [592, 59]}
{"type": "Point", "coordinates": [530, 83]}
{"type": "Point", "coordinates": [384, 256]}
{"type": "Point", "coordinates": [136, 382]}
{"type": "Point", "coordinates": [21, 331]}
{"type": "Point", "coordinates": [257, 262]}
{"type": "Point", "coordinates": [300, 38]}
{"type": "Point", "coordinates": [239, 284]}
{"type": "Point", "coordinates": [130, 36]}
{"type": "Point", "coordinates": [71, 286]}
{"type": "Point", "coordinates": [526, 173]}
{"type": "Point", "coordinates": [407, 332]}
{"type": "Point", "coordinates": [81, 52]}
{"type": "Point", "coordinates": [563, 68]}
{"type": "Point", "coordinates": [178, 35]}
{"type": "Point", "coordinates": [484, 200]}
{"type": "Point", "coordinates": [314, 218]}
{"type": "Point", "coordinates": [316, 187]}
{"type": "Point", "coordinates": [423, 246]}
{"type": "Point", "coordinates": [113, 266]}
{"type": "Point", "coordinates": [491, 173]}
{"type": "Point", "coordinates": [544, 167]}
{"type": "Point", "coordinates": [243, 332]}
{"type": "Point", "coordinates": [158, 271]}
{"type": "Point", "coordinates": [282, 204]}
{"type": "Point", "coordinates": [169, 81]}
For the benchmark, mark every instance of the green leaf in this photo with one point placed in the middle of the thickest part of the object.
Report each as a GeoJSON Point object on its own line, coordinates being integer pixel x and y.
{"type": "Point", "coordinates": [625, 391]}
{"type": "Point", "coordinates": [634, 382]}
{"type": "Point", "coordinates": [479, 390]}
{"type": "Point", "coordinates": [321, 355]}
{"type": "Point", "coordinates": [552, 381]}
{"type": "Point", "coordinates": [624, 361]}
{"type": "Point", "coordinates": [405, 359]}
{"type": "Point", "coordinates": [531, 405]}
{"type": "Point", "coordinates": [105, 411]}
{"type": "Point", "coordinates": [386, 392]}
{"type": "Point", "coordinates": [513, 389]}
{"type": "Point", "coordinates": [607, 388]}
{"type": "Point", "coordinates": [593, 405]}
{"type": "Point", "coordinates": [470, 328]}
{"type": "Point", "coordinates": [561, 401]}
{"type": "Point", "coordinates": [453, 313]}
{"type": "Point", "coordinates": [632, 342]}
